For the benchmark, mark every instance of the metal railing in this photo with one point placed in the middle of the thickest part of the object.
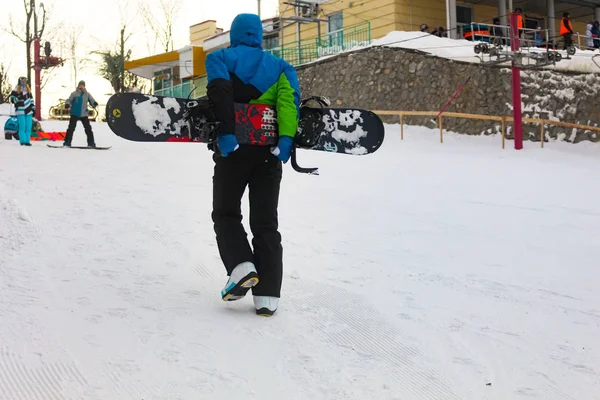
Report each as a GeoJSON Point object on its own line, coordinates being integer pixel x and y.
{"type": "Point", "coordinates": [594, 40]}
{"type": "Point", "coordinates": [498, 119]}
{"type": "Point", "coordinates": [500, 34]}
{"type": "Point", "coordinates": [197, 88]}
{"type": "Point", "coordinates": [307, 50]}
{"type": "Point", "coordinates": [181, 90]}
{"type": "Point", "coordinates": [528, 37]}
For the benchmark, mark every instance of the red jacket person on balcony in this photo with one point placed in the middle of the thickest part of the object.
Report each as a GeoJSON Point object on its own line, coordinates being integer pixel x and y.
{"type": "Point", "coordinates": [566, 30]}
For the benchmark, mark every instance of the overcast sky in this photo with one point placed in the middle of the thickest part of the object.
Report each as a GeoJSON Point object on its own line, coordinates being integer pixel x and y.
{"type": "Point", "coordinates": [99, 24]}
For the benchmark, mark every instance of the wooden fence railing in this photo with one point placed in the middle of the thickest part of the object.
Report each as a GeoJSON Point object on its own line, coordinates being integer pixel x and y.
{"type": "Point", "coordinates": [502, 120]}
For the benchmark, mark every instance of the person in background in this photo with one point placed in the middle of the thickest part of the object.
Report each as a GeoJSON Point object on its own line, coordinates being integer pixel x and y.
{"type": "Point", "coordinates": [520, 22]}
{"type": "Point", "coordinates": [78, 102]}
{"type": "Point", "coordinates": [539, 39]}
{"type": "Point", "coordinates": [439, 32]}
{"type": "Point", "coordinates": [596, 34]}
{"type": "Point", "coordinates": [589, 42]}
{"type": "Point", "coordinates": [22, 99]}
{"type": "Point", "coordinates": [566, 30]}
{"type": "Point", "coordinates": [497, 33]}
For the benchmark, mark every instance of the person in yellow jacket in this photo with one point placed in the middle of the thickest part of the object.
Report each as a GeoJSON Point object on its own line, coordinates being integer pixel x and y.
{"type": "Point", "coordinates": [566, 30]}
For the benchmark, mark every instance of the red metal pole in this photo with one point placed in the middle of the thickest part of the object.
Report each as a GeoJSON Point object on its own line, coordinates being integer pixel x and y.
{"type": "Point", "coordinates": [37, 67]}
{"type": "Point", "coordinates": [516, 84]}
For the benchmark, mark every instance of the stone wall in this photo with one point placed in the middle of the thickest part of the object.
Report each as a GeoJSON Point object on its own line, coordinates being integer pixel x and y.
{"type": "Point", "coordinates": [380, 78]}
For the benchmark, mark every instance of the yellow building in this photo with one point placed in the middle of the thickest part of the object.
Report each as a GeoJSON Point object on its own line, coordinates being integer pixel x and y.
{"type": "Point", "coordinates": [306, 30]}
{"type": "Point", "coordinates": [385, 16]}
{"type": "Point", "coordinates": [182, 73]}
{"type": "Point", "coordinates": [179, 73]}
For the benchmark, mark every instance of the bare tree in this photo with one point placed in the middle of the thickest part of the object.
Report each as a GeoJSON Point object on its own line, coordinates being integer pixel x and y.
{"type": "Point", "coordinates": [5, 87]}
{"type": "Point", "coordinates": [47, 74]}
{"type": "Point", "coordinates": [27, 33]}
{"type": "Point", "coordinates": [161, 26]}
{"type": "Point", "coordinates": [112, 66]}
{"type": "Point", "coordinates": [72, 49]}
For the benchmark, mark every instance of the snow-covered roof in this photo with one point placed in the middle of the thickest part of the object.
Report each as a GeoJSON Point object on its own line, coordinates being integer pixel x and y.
{"type": "Point", "coordinates": [584, 61]}
{"type": "Point", "coordinates": [463, 50]}
{"type": "Point", "coordinates": [216, 42]}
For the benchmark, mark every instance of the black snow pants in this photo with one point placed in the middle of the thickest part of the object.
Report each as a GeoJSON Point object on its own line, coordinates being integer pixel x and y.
{"type": "Point", "coordinates": [568, 40]}
{"type": "Point", "coordinates": [259, 170]}
{"type": "Point", "coordinates": [86, 125]}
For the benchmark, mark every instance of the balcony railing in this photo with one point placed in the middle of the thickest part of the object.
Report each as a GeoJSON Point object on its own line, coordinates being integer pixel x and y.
{"type": "Point", "coordinates": [307, 50]}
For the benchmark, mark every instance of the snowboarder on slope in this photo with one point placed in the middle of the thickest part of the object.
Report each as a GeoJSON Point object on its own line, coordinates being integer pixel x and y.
{"type": "Point", "coordinates": [22, 98]}
{"type": "Point", "coordinates": [245, 73]}
{"type": "Point", "coordinates": [77, 102]}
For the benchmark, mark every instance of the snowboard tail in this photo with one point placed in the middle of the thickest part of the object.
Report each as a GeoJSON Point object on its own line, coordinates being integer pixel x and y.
{"type": "Point", "coordinates": [150, 118]}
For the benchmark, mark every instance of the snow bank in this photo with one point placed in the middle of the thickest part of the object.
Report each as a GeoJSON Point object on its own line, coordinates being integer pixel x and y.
{"type": "Point", "coordinates": [6, 108]}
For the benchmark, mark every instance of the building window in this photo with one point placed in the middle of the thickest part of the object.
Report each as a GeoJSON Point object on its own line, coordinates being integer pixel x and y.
{"type": "Point", "coordinates": [335, 22]}
{"type": "Point", "coordinates": [335, 27]}
{"type": "Point", "coordinates": [162, 81]}
{"type": "Point", "coordinates": [534, 23]}
{"type": "Point", "coordinates": [464, 14]}
{"type": "Point", "coordinates": [175, 75]}
{"type": "Point", "coordinates": [157, 81]}
{"type": "Point", "coordinates": [270, 41]}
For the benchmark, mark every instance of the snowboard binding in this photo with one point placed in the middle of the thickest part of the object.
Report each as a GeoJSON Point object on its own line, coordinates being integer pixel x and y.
{"type": "Point", "coordinates": [198, 126]}
{"type": "Point", "coordinates": [309, 128]}
{"type": "Point", "coordinates": [311, 122]}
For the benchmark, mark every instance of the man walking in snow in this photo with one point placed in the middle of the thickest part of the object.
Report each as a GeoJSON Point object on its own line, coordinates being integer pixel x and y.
{"type": "Point", "coordinates": [78, 102]}
{"type": "Point", "coordinates": [245, 73]}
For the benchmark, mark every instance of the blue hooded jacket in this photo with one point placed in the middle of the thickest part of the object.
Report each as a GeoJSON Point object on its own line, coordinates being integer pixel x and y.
{"type": "Point", "coordinates": [245, 73]}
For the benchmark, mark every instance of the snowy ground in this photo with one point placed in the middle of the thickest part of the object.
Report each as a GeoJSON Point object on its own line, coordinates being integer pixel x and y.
{"type": "Point", "coordinates": [423, 271]}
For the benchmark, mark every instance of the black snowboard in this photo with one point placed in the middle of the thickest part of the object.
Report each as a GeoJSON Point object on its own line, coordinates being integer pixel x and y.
{"type": "Point", "coordinates": [150, 118]}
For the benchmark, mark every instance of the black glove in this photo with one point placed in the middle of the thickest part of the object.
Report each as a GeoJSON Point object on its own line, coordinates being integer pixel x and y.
{"type": "Point", "coordinates": [95, 105]}
{"type": "Point", "coordinates": [67, 106]}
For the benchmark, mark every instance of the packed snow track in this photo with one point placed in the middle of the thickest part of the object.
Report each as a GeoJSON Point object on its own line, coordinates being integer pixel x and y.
{"type": "Point", "coordinates": [423, 271]}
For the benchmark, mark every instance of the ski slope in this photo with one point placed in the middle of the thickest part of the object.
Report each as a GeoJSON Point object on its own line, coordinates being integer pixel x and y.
{"type": "Point", "coordinates": [423, 271]}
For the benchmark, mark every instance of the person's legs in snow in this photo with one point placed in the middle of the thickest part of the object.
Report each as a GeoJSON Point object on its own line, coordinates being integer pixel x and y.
{"type": "Point", "coordinates": [268, 253]}
{"type": "Point", "coordinates": [88, 131]}
{"type": "Point", "coordinates": [70, 130]}
{"type": "Point", "coordinates": [21, 120]}
{"type": "Point", "coordinates": [27, 133]}
{"type": "Point", "coordinates": [229, 183]}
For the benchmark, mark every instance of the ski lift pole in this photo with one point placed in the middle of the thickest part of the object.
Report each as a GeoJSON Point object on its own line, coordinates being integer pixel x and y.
{"type": "Point", "coordinates": [516, 83]}
{"type": "Point", "coordinates": [38, 80]}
